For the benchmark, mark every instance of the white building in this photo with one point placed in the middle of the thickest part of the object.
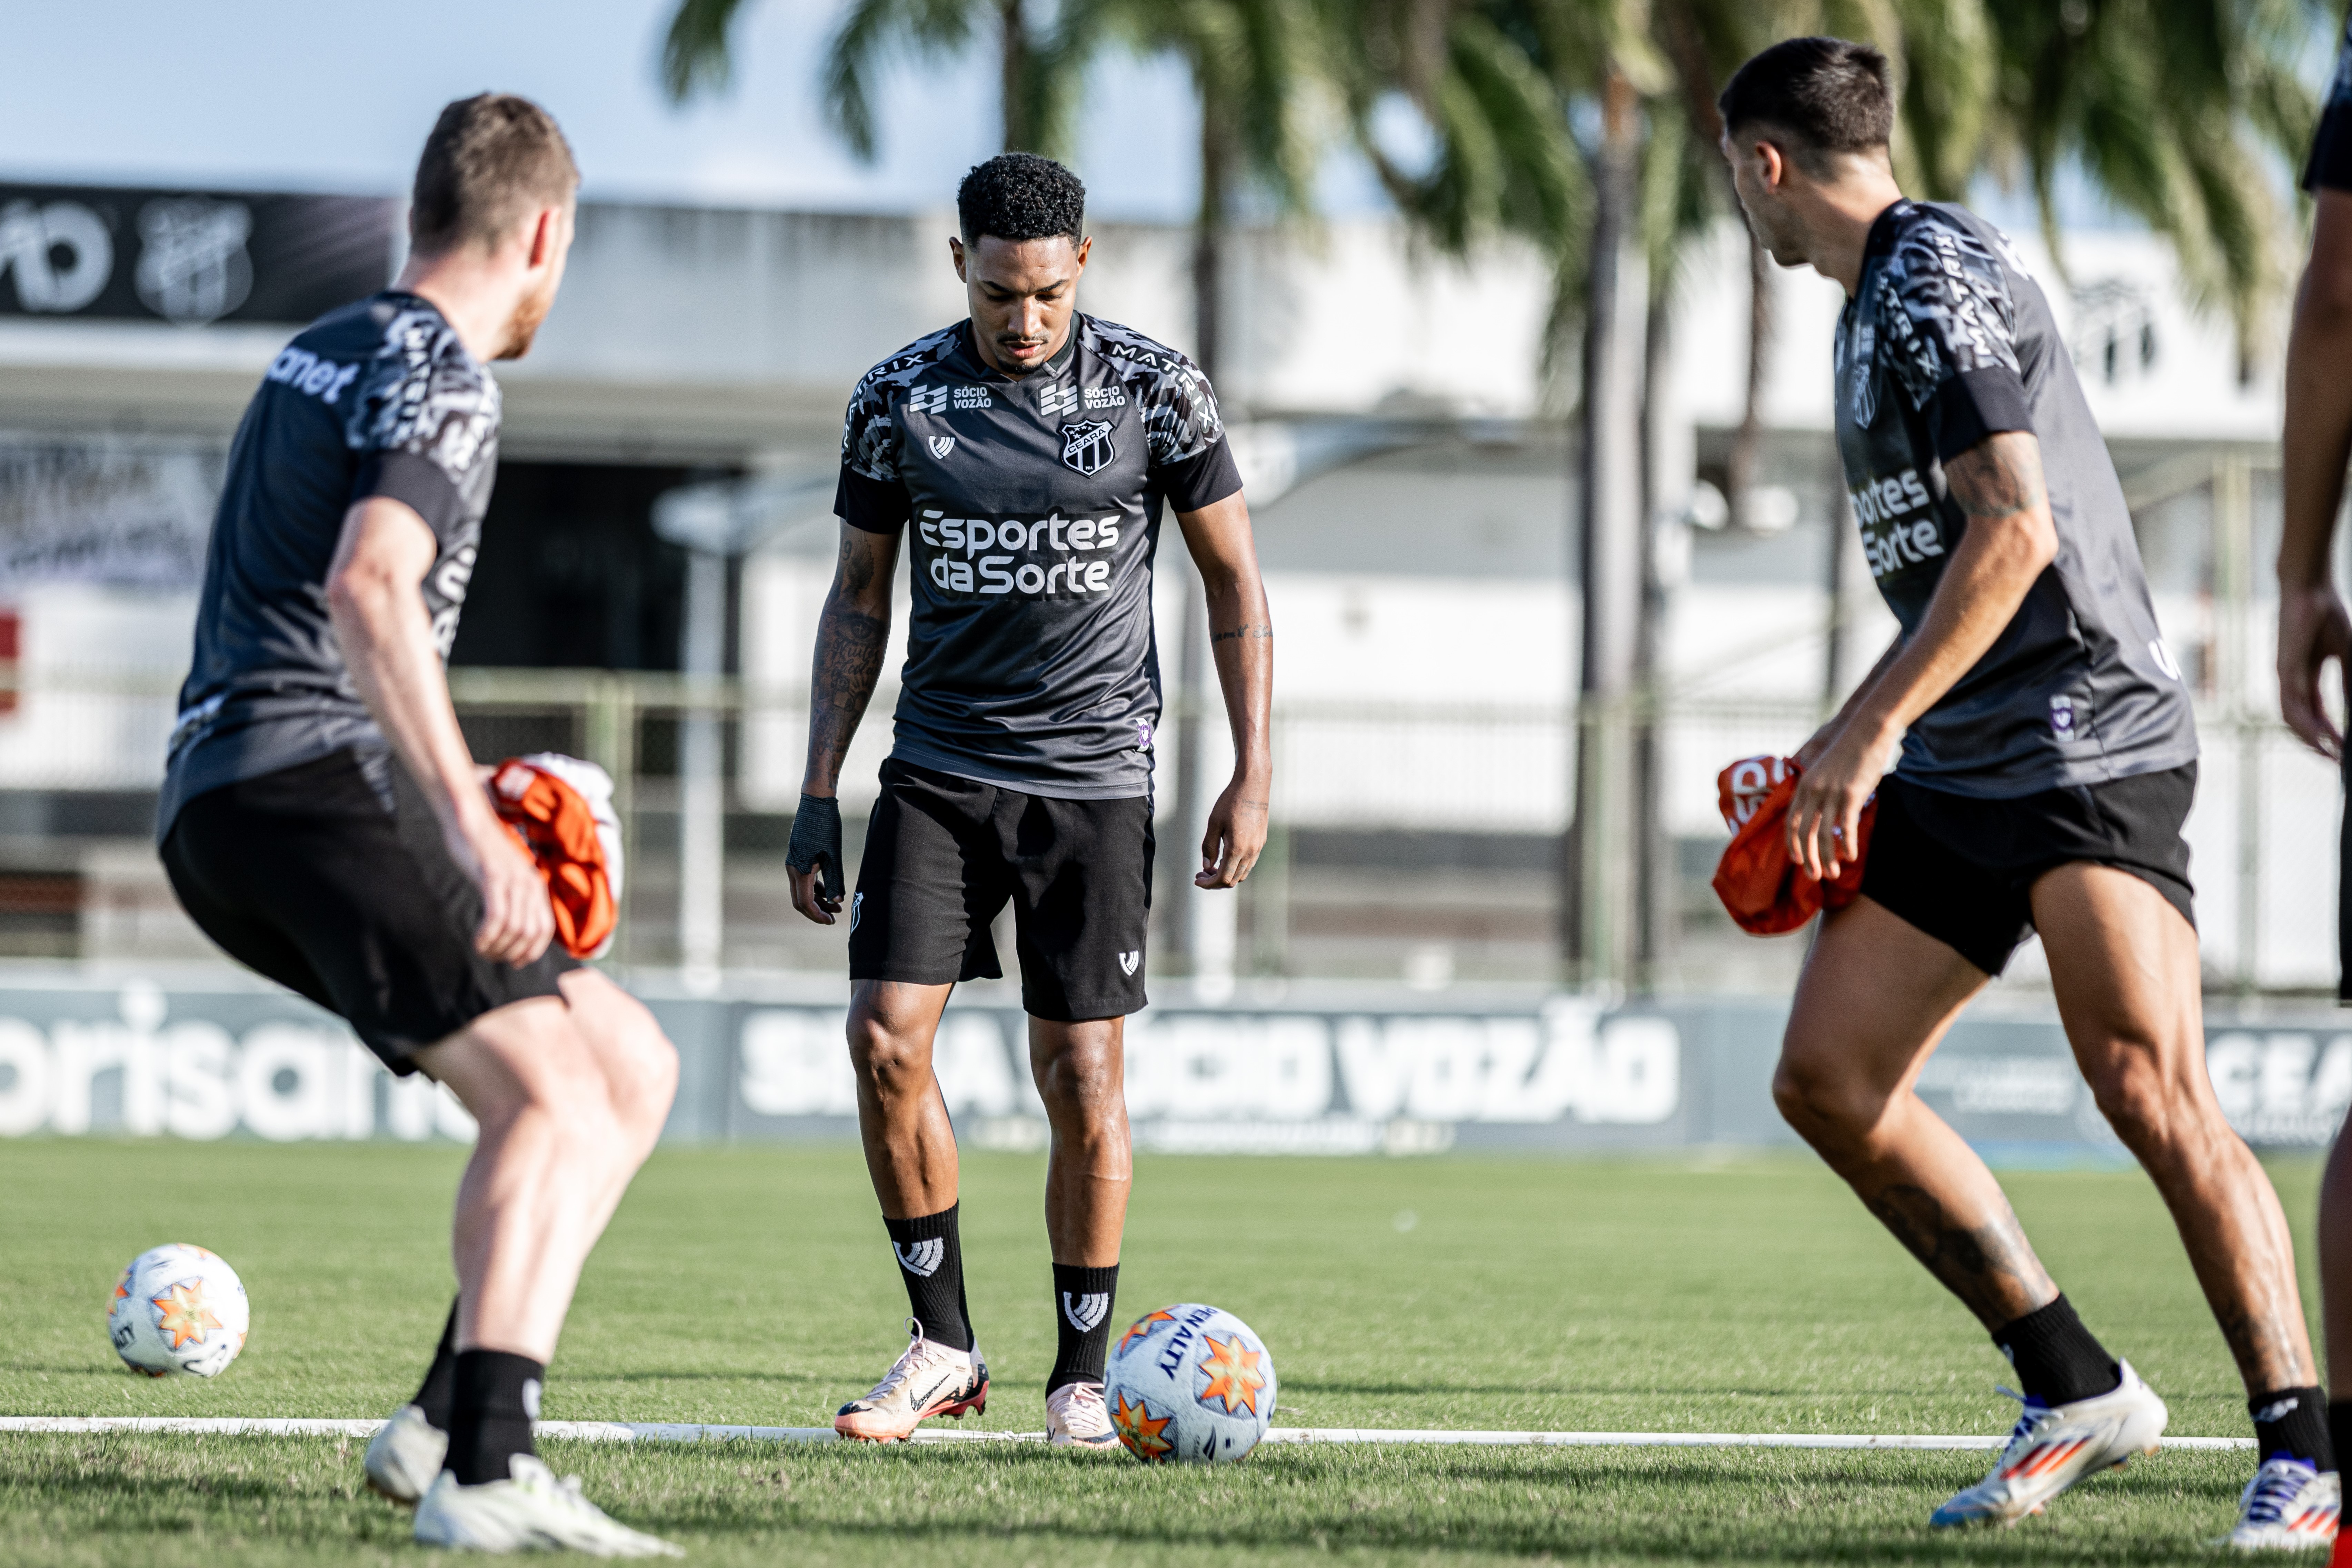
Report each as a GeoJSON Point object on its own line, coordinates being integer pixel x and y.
{"type": "Point", "coordinates": [1415, 513]}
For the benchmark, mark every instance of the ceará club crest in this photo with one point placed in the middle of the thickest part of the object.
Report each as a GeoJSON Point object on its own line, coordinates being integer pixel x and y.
{"type": "Point", "coordinates": [1086, 447]}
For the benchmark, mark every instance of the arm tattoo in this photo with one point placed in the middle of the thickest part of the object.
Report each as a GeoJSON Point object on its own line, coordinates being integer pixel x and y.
{"type": "Point", "coordinates": [1251, 633]}
{"type": "Point", "coordinates": [850, 647]}
{"type": "Point", "coordinates": [1970, 1263]}
{"type": "Point", "coordinates": [1997, 477]}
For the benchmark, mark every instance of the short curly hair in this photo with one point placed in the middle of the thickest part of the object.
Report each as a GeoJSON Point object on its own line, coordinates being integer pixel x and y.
{"type": "Point", "coordinates": [1019, 195]}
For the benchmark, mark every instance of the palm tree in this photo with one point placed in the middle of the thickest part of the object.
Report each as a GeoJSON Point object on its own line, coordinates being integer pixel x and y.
{"type": "Point", "coordinates": [2163, 103]}
{"type": "Point", "coordinates": [1036, 105]}
{"type": "Point", "coordinates": [1256, 67]}
{"type": "Point", "coordinates": [2169, 106]}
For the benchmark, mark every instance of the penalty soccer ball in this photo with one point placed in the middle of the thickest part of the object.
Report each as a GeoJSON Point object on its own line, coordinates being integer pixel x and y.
{"type": "Point", "coordinates": [1190, 1383]}
{"type": "Point", "coordinates": [178, 1310]}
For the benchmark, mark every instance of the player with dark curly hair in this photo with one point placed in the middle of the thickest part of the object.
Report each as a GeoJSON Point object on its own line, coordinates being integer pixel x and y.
{"type": "Point", "coordinates": [1024, 456]}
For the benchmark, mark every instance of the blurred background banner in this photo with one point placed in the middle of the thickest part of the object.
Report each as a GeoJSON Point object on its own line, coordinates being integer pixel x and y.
{"type": "Point", "coordinates": [1334, 1070]}
{"type": "Point", "coordinates": [189, 257]}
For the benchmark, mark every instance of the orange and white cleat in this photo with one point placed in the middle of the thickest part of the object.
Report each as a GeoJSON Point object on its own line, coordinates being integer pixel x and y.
{"type": "Point", "coordinates": [929, 1380]}
{"type": "Point", "coordinates": [2054, 1445]}
{"type": "Point", "coordinates": [2287, 1507]}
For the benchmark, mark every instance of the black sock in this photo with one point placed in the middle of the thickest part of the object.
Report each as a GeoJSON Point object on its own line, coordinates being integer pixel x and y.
{"type": "Point", "coordinates": [2339, 1425]}
{"type": "Point", "coordinates": [2056, 1358]}
{"type": "Point", "coordinates": [1082, 1298]}
{"type": "Point", "coordinates": [497, 1398]}
{"type": "Point", "coordinates": [435, 1395]}
{"type": "Point", "coordinates": [2293, 1422]}
{"type": "Point", "coordinates": [930, 1260]}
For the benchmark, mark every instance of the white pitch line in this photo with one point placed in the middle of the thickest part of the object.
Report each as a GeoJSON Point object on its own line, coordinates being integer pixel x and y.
{"type": "Point", "coordinates": [683, 1432]}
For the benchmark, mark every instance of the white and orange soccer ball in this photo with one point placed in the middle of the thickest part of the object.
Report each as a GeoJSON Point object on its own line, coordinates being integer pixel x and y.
{"type": "Point", "coordinates": [1190, 1383]}
{"type": "Point", "coordinates": [178, 1310]}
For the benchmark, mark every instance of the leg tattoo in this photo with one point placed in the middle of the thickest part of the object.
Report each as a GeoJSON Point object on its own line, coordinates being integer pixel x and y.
{"type": "Point", "coordinates": [1991, 1267]}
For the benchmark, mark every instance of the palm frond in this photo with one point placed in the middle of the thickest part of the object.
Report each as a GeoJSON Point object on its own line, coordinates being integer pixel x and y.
{"type": "Point", "coordinates": [695, 53]}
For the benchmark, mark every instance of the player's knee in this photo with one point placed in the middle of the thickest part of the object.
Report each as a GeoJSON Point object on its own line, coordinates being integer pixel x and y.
{"type": "Point", "coordinates": [2140, 1100]}
{"type": "Point", "coordinates": [1819, 1102]}
{"type": "Point", "coordinates": [640, 1068]}
{"type": "Point", "coordinates": [1083, 1081]}
{"type": "Point", "coordinates": [892, 1059]}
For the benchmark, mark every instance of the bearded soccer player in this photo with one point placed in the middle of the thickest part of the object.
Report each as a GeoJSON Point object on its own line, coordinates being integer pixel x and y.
{"type": "Point", "coordinates": [324, 821]}
{"type": "Point", "coordinates": [2312, 626]}
{"type": "Point", "coordinates": [1024, 456]}
{"type": "Point", "coordinates": [2043, 758]}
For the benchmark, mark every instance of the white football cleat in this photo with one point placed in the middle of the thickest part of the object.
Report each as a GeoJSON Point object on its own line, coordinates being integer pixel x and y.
{"type": "Point", "coordinates": [532, 1512]}
{"type": "Point", "coordinates": [405, 1455]}
{"type": "Point", "coordinates": [2287, 1507]}
{"type": "Point", "coordinates": [2054, 1445]}
{"type": "Point", "coordinates": [1076, 1417]}
{"type": "Point", "coordinates": [929, 1380]}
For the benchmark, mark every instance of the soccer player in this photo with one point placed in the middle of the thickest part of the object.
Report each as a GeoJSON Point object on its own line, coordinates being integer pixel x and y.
{"type": "Point", "coordinates": [1024, 456]}
{"type": "Point", "coordinates": [2043, 756]}
{"type": "Point", "coordinates": [2313, 627]}
{"type": "Point", "coordinates": [324, 821]}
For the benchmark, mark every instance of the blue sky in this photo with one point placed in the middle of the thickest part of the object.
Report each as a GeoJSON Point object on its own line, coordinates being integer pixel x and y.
{"type": "Point", "coordinates": [326, 95]}
{"type": "Point", "coordinates": [321, 95]}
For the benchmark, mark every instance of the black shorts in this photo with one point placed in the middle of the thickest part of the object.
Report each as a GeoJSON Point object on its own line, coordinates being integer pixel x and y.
{"type": "Point", "coordinates": [1962, 869]}
{"type": "Point", "coordinates": [943, 856]}
{"type": "Point", "coordinates": [330, 877]}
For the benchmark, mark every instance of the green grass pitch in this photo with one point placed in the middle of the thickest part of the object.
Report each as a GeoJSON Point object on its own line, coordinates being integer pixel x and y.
{"type": "Point", "coordinates": [754, 1287]}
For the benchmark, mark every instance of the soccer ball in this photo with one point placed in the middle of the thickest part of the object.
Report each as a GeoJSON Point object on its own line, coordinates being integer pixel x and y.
{"type": "Point", "coordinates": [178, 1308]}
{"type": "Point", "coordinates": [1190, 1383]}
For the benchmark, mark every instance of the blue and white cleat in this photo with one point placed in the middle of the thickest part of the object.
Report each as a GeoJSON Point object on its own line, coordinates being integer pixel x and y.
{"type": "Point", "coordinates": [2054, 1445]}
{"type": "Point", "coordinates": [2287, 1507]}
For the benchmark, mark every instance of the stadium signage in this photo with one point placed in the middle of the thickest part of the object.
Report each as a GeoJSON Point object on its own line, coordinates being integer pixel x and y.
{"type": "Point", "coordinates": [1567, 1074]}
{"type": "Point", "coordinates": [188, 258]}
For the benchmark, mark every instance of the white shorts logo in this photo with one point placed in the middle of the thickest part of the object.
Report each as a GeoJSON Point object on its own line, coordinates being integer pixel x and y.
{"type": "Point", "coordinates": [941, 446]}
{"type": "Point", "coordinates": [856, 908]}
{"type": "Point", "coordinates": [921, 1258]}
{"type": "Point", "coordinates": [1087, 1311]}
{"type": "Point", "coordinates": [1128, 961]}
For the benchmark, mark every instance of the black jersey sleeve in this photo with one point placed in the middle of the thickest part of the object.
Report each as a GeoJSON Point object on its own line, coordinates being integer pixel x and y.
{"type": "Point", "coordinates": [426, 425]}
{"type": "Point", "coordinates": [1191, 462]}
{"type": "Point", "coordinates": [2330, 167]}
{"type": "Point", "coordinates": [872, 495]}
{"type": "Point", "coordinates": [1946, 321]}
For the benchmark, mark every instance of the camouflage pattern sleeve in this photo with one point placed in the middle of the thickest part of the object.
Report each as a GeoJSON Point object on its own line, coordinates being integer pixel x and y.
{"type": "Point", "coordinates": [1945, 323]}
{"type": "Point", "coordinates": [426, 423]}
{"type": "Point", "coordinates": [869, 436]}
{"type": "Point", "coordinates": [1179, 408]}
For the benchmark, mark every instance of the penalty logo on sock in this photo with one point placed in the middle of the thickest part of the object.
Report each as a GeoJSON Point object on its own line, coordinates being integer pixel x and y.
{"type": "Point", "coordinates": [921, 1258]}
{"type": "Point", "coordinates": [2278, 1412]}
{"type": "Point", "coordinates": [1085, 1311]}
{"type": "Point", "coordinates": [531, 1397]}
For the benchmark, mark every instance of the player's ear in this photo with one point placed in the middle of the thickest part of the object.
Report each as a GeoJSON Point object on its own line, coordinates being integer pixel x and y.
{"type": "Point", "coordinates": [546, 237]}
{"type": "Point", "coordinates": [1086, 244]}
{"type": "Point", "coordinates": [955, 253]}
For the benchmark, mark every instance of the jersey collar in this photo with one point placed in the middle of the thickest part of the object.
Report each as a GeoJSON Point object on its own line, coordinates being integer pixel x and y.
{"type": "Point", "coordinates": [1882, 229]}
{"type": "Point", "coordinates": [968, 347]}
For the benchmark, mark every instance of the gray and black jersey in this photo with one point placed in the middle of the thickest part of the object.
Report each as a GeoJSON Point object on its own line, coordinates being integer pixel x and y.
{"type": "Point", "coordinates": [1947, 341]}
{"type": "Point", "coordinates": [379, 398]}
{"type": "Point", "coordinates": [2330, 167]}
{"type": "Point", "coordinates": [1032, 507]}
